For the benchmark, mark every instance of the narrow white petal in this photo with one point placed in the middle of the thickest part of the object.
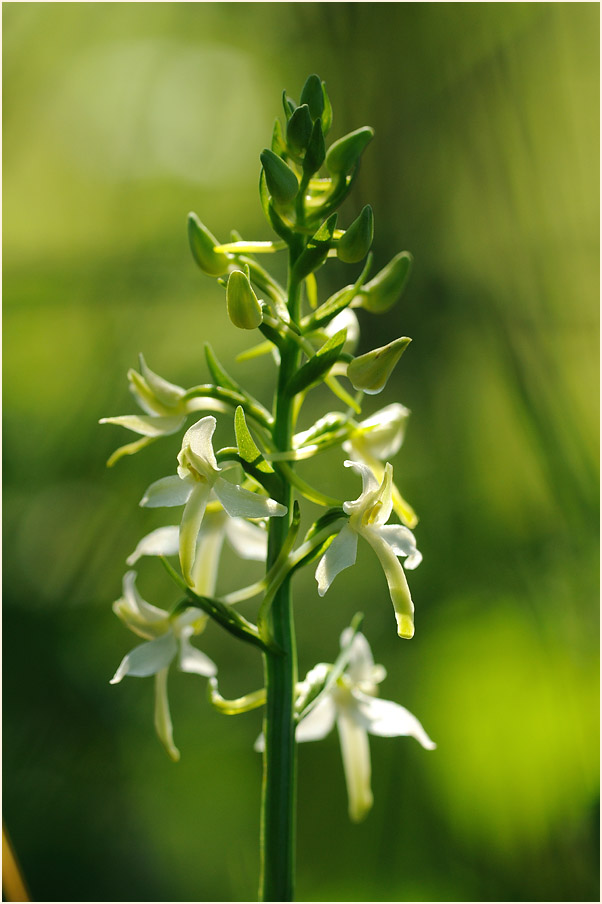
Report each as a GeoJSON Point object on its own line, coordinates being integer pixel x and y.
{"type": "Point", "coordinates": [340, 555]}
{"type": "Point", "coordinates": [389, 720]}
{"type": "Point", "coordinates": [396, 579]}
{"type": "Point", "coordinates": [208, 549]}
{"type": "Point", "coordinates": [259, 745]}
{"type": "Point", "coordinates": [167, 491]}
{"type": "Point", "coordinates": [361, 661]}
{"type": "Point", "coordinates": [192, 660]}
{"type": "Point", "coordinates": [198, 440]}
{"type": "Point", "coordinates": [163, 725]}
{"type": "Point", "coordinates": [190, 526]}
{"type": "Point", "coordinates": [356, 763]}
{"type": "Point", "coordinates": [167, 393]}
{"type": "Point", "coordinates": [147, 659]}
{"type": "Point", "coordinates": [402, 541]}
{"type": "Point", "coordinates": [381, 434]}
{"type": "Point", "coordinates": [164, 541]}
{"type": "Point", "coordinates": [142, 618]}
{"type": "Point", "coordinates": [241, 503]}
{"type": "Point", "coordinates": [247, 540]}
{"type": "Point", "coordinates": [369, 481]}
{"type": "Point", "coordinates": [318, 723]}
{"type": "Point", "coordinates": [147, 425]}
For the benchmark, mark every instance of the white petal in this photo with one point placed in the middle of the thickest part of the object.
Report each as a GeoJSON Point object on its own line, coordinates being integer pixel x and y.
{"type": "Point", "coordinates": [197, 441]}
{"type": "Point", "coordinates": [389, 720]}
{"type": "Point", "coordinates": [167, 393]}
{"type": "Point", "coordinates": [318, 723]}
{"type": "Point", "coordinates": [167, 491]}
{"type": "Point", "coordinates": [396, 579]}
{"type": "Point", "coordinates": [192, 660]}
{"type": "Point", "coordinates": [361, 661]}
{"type": "Point", "coordinates": [381, 434]}
{"type": "Point", "coordinates": [340, 555]}
{"type": "Point", "coordinates": [164, 541]}
{"type": "Point", "coordinates": [247, 540]}
{"type": "Point", "coordinates": [190, 526]}
{"type": "Point", "coordinates": [369, 482]}
{"type": "Point", "coordinates": [259, 745]}
{"type": "Point", "coordinates": [241, 503]}
{"type": "Point", "coordinates": [402, 541]}
{"type": "Point", "coordinates": [147, 659]}
{"type": "Point", "coordinates": [147, 425]}
{"type": "Point", "coordinates": [356, 763]}
{"type": "Point", "coordinates": [384, 497]}
{"type": "Point", "coordinates": [208, 549]}
{"type": "Point", "coordinates": [144, 396]}
{"type": "Point", "coordinates": [163, 725]}
{"type": "Point", "coordinates": [142, 618]}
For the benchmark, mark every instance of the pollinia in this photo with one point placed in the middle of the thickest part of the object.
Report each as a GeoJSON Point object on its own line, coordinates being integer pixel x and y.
{"type": "Point", "coordinates": [249, 494]}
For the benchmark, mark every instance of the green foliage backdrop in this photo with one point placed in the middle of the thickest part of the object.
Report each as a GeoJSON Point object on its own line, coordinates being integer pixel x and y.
{"type": "Point", "coordinates": [119, 119]}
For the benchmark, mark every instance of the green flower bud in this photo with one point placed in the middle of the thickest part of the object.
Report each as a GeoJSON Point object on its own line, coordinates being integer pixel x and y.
{"type": "Point", "coordinates": [281, 180]}
{"type": "Point", "coordinates": [289, 105]}
{"type": "Point", "coordinates": [381, 293]}
{"type": "Point", "coordinates": [299, 129]}
{"type": "Point", "coordinates": [344, 153]}
{"type": "Point", "coordinates": [371, 371]}
{"type": "Point", "coordinates": [355, 244]}
{"type": "Point", "coordinates": [313, 96]}
{"type": "Point", "coordinates": [202, 245]}
{"type": "Point", "coordinates": [243, 307]}
{"type": "Point", "coordinates": [316, 150]}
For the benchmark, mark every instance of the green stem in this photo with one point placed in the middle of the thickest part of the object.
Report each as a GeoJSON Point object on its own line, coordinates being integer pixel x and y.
{"type": "Point", "coordinates": [279, 759]}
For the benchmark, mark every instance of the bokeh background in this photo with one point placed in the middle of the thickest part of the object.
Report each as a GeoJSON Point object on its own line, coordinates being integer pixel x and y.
{"type": "Point", "coordinates": [119, 119]}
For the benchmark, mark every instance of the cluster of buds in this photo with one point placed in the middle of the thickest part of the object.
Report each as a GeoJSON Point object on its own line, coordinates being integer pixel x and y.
{"type": "Point", "coordinates": [234, 492]}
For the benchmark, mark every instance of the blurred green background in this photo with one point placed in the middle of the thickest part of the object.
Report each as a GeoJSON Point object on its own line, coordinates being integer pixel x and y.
{"type": "Point", "coordinates": [119, 119]}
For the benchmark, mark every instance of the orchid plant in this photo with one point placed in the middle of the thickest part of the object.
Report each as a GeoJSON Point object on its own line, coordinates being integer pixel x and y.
{"type": "Point", "coordinates": [250, 493]}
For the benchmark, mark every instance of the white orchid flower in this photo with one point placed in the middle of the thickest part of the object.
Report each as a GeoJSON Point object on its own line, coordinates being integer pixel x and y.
{"type": "Point", "coordinates": [198, 475]}
{"type": "Point", "coordinates": [167, 638]}
{"type": "Point", "coordinates": [376, 439]}
{"type": "Point", "coordinates": [248, 540]}
{"type": "Point", "coordinates": [368, 516]}
{"type": "Point", "coordinates": [351, 703]}
{"type": "Point", "coordinates": [164, 405]}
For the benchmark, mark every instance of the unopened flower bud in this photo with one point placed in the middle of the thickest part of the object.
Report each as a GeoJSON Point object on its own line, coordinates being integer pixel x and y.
{"type": "Point", "coordinates": [243, 307]}
{"type": "Point", "coordinates": [281, 180]}
{"type": "Point", "coordinates": [371, 371]}
{"type": "Point", "coordinates": [313, 95]}
{"type": "Point", "coordinates": [298, 129]}
{"type": "Point", "coordinates": [381, 293]}
{"type": "Point", "coordinates": [316, 150]}
{"type": "Point", "coordinates": [202, 245]}
{"type": "Point", "coordinates": [355, 243]}
{"type": "Point", "coordinates": [344, 153]}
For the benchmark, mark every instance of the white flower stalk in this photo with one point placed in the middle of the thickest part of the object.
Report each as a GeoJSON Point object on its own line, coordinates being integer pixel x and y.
{"type": "Point", "coordinates": [368, 516]}
{"type": "Point", "coordinates": [377, 439]}
{"type": "Point", "coordinates": [198, 475]}
{"type": "Point", "coordinates": [352, 704]}
{"type": "Point", "coordinates": [248, 540]}
{"type": "Point", "coordinates": [166, 638]}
